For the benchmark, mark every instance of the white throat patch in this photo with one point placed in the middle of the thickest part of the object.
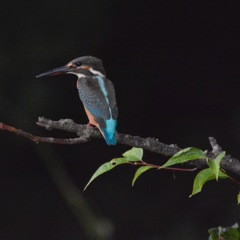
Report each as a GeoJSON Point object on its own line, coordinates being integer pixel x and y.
{"type": "Point", "coordinates": [80, 75]}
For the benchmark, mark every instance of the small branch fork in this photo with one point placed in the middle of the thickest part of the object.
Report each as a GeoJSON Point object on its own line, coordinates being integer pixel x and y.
{"type": "Point", "coordinates": [86, 133]}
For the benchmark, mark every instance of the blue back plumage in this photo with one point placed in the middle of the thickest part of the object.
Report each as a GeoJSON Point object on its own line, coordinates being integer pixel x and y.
{"type": "Point", "coordinates": [109, 131]}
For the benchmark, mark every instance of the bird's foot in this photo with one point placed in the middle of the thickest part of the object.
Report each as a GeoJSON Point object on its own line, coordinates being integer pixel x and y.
{"type": "Point", "coordinates": [90, 125]}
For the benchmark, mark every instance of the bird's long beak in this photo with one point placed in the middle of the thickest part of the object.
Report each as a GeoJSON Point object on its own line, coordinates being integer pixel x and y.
{"type": "Point", "coordinates": [56, 71]}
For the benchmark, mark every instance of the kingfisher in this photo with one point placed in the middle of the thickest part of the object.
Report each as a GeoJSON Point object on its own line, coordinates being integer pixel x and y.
{"type": "Point", "coordinates": [96, 92]}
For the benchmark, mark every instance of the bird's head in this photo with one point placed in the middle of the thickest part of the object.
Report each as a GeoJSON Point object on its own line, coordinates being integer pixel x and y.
{"type": "Point", "coordinates": [82, 67]}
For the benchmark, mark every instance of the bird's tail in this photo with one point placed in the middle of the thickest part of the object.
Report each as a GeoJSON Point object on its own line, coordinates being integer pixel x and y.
{"type": "Point", "coordinates": [109, 138]}
{"type": "Point", "coordinates": [109, 131]}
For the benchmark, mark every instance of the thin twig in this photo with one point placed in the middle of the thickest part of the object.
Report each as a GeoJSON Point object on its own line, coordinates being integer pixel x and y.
{"type": "Point", "coordinates": [38, 139]}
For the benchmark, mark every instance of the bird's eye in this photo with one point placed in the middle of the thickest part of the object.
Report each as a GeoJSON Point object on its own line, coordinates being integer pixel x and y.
{"type": "Point", "coordinates": [78, 64]}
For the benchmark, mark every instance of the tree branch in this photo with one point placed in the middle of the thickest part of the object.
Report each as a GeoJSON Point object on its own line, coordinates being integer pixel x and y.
{"type": "Point", "coordinates": [89, 133]}
{"type": "Point", "coordinates": [86, 133]}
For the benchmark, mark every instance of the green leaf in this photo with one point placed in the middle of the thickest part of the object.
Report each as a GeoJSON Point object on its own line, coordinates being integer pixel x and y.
{"type": "Point", "coordinates": [202, 177]}
{"type": "Point", "coordinates": [184, 155]}
{"type": "Point", "coordinates": [134, 154]}
{"type": "Point", "coordinates": [139, 172]}
{"type": "Point", "coordinates": [106, 167]}
{"type": "Point", "coordinates": [238, 198]}
{"type": "Point", "coordinates": [215, 164]}
{"type": "Point", "coordinates": [228, 233]}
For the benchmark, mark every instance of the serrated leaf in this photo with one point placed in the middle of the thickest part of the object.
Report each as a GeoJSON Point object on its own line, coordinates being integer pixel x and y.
{"type": "Point", "coordinates": [134, 154]}
{"type": "Point", "coordinates": [228, 233]}
{"type": "Point", "coordinates": [139, 172]}
{"type": "Point", "coordinates": [106, 167]}
{"type": "Point", "coordinates": [202, 177]}
{"type": "Point", "coordinates": [215, 164]}
{"type": "Point", "coordinates": [238, 198]}
{"type": "Point", "coordinates": [184, 155]}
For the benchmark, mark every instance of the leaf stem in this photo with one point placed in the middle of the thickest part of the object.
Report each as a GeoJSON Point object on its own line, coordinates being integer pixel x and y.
{"type": "Point", "coordinates": [233, 179]}
{"type": "Point", "coordinates": [142, 163]}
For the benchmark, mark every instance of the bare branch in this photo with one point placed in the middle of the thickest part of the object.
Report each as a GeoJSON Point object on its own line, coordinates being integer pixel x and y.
{"type": "Point", "coordinates": [86, 133]}
{"type": "Point", "coordinates": [38, 139]}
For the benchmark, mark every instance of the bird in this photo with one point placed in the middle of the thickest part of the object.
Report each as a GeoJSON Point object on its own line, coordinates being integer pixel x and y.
{"type": "Point", "coordinates": [96, 92]}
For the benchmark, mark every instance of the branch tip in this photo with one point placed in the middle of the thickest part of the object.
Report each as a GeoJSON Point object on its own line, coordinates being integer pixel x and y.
{"type": "Point", "coordinates": [216, 149]}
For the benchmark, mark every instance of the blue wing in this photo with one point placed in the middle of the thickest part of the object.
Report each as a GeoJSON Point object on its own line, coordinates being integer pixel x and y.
{"type": "Point", "coordinates": [98, 96]}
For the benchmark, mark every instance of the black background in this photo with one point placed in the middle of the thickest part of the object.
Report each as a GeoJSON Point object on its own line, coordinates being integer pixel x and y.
{"type": "Point", "coordinates": [175, 67]}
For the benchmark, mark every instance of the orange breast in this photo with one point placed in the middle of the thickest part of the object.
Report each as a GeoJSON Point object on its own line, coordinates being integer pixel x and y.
{"type": "Point", "coordinates": [91, 118]}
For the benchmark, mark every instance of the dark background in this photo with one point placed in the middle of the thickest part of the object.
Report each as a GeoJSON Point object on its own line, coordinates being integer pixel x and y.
{"type": "Point", "coordinates": [175, 67]}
